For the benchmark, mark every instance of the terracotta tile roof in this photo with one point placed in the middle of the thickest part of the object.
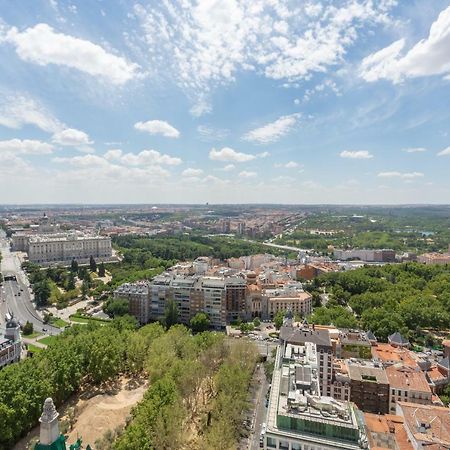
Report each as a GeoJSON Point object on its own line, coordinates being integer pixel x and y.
{"type": "Point", "coordinates": [435, 375]}
{"type": "Point", "coordinates": [386, 424]}
{"type": "Point", "coordinates": [436, 420]}
{"type": "Point", "coordinates": [407, 378]}
{"type": "Point", "coordinates": [388, 353]}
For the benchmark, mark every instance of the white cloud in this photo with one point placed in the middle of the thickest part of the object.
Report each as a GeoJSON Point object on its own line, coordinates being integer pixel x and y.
{"type": "Point", "coordinates": [228, 154]}
{"type": "Point", "coordinates": [227, 168]}
{"type": "Point", "coordinates": [71, 137]}
{"type": "Point", "coordinates": [26, 147]}
{"type": "Point", "coordinates": [288, 165]}
{"type": "Point", "coordinates": [415, 150]}
{"type": "Point", "coordinates": [18, 110]}
{"type": "Point", "coordinates": [444, 152]}
{"type": "Point", "coordinates": [42, 45]}
{"type": "Point", "coordinates": [359, 154]}
{"type": "Point", "coordinates": [192, 172]}
{"type": "Point", "coordinates": [14, 166]}
{"type": "Point", "coordinates": [209, 133]}
{"type": "Point", "coordinates": [143, 158]}
{"type": "Point", "coordinates": [247, 174]}
{"type": "Point", "coordinates": [427, 57]}
{"type": "Point", "coordinates": [263, 155]}
{"type": "Point", "coordinates": [113, 154]}
{"type": "Point", "coordinates": [207, 43]}
{"type": "Point", "coordinates": [402, 175]}
{"type": "Point", "coordinates": [158, 127]}
{"type": "Point", "coordinates": [273, 131]}
{"type": "Point", "coordinates": [95, 167]}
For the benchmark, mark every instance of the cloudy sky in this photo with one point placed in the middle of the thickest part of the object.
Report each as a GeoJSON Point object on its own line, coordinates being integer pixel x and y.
{"type": "Point", "coordinates": [193, 101]}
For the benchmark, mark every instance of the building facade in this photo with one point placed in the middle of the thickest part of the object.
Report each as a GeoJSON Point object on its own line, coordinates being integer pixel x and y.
{"type": "Point", "coordinates": [299, 416]}
{"type": "Point", "coordinates": [62, 247]}
{"type": "Point", "coordinates": [10, 344]}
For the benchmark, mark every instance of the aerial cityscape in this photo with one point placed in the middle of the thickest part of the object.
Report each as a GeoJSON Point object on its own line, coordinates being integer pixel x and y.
{"type": "Point", "coordinates": [224, 225]}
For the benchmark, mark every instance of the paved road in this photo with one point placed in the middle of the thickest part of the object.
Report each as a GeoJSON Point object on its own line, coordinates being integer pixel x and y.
{"type": "Point", "coordinates": [260, 410]}
{"type": "Point", "coordinates": [20, 306]}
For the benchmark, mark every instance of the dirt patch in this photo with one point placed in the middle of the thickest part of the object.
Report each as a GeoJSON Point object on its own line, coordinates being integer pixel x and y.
{"type": "Point", "coordinates": [96, 411]}
{"type": "Point", "coordinates": [103, 412]}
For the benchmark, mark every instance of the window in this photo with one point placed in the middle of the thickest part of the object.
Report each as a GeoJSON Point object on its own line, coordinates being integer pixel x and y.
{"type": "Point", "coordinates": [271, 442]}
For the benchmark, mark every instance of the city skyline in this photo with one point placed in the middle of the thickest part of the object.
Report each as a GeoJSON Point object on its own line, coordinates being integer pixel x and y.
{"type": "Point", "coordinates": [225, 102]}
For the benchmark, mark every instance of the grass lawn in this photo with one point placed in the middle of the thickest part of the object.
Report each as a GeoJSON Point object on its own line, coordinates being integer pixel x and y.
{"type": "Point", "coordinates": [33, 335]}
{"type": "Point", "coordinates": [77, 319]}
{"type": "Point", "coordinates": [47, 340]}
{"type": "Point", "coordinates": [59, 323]}
{"type": "Point", "coordinates": [34, 348]}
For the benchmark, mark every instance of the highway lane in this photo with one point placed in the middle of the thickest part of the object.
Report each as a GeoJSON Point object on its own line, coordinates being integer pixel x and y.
{"type": "Point", "coordinates": [16, 297]}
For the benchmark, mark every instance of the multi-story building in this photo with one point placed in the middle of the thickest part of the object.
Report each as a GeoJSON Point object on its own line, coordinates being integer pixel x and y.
{"type": "Point", "coordinates": [10, 344]}
{"type": "Point", "coordinates": [138, 296]}
{"type": "Point", "coordinates": [63, 247]}
{"type": "Point", "coordinates": [368, 255]}
{"type": "Point", "coordinates": [386, 432]}
{"type": "Point", "coordinates": [235, 298]}
{"type": "Point", "coordinates": [299, 416]}
{"type": "Point", "coordinates": [369, 386]}
{"type": "Point", "coordinates": [293, 299]}
{"type": "Point", "coordinates": [321, 338]}
{"type": "Point", "coordinates": [214, 300]}
{"type": "Point", "coordinates": [407, 384]}
{"type": "Point", "coordinates": [427, 426]}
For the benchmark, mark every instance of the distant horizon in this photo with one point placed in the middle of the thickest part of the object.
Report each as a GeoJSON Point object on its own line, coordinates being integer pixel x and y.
{"type": "Point", "coordinates": [387, 205]}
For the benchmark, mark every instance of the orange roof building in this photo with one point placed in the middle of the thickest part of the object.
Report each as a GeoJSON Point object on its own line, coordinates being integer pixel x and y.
{"type": "Point", "coordinates": [386, 432]}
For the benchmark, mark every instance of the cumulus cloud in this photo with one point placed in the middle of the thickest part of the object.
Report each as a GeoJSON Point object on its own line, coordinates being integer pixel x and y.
{"type": "Point", "coordinates": [273, 131]}
{"type": "Point", "coordinates": [42, 45]}
{"type": "Point", "coordinates": [71, 137]}
{"type": "Point", "coordinates": [26, 147]}
{"type": "Point", "coordinates": [228, 154]}
{"type": "Point", "coordinates": [415, 150]}
{"type": "Point", "coordinates": [427, 57]}
{"type": "Point", "coordinates": [206, 43]}
{"type": "Point", "coordinates": [145, 157]}
{"type": "Point", "coordinates": [99, 168]}
{"type": "Point", "coordinates": [18, 110]}
{"type": "Point", "coordinates": [158, 127]}
{"type": "Point", "coordinates": [444, 152]}
{"type": "Point", "coordinates": [192, 172]}
{"type": "Point", "coordinates": [358, 154]}
{"type": "Point", "coordinates": [402, 175]}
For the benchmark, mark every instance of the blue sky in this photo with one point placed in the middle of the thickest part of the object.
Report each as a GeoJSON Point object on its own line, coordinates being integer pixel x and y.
{"type": "Point", "coordinates": [225, 101]}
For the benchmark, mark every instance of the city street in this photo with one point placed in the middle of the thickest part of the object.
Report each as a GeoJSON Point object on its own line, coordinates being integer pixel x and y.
{"type": "Point", "coordinates": [260, 409]}
{"type": "Point", "coordinates": [15, 296]}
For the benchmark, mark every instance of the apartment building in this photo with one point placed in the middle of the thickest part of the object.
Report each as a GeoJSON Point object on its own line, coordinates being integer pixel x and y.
{"type": "Point", "coordinates": [138, 297]}
{"type": "Point", "coordinates": [10, 344]}
{"type": "Point", "coordinates": [299, 415]}
{"type": "Point", "coordinates": [321, 338]}
{"type": "Point", "coordinates": [369, 386]}
{"type": "Point", "coordinates": [286, 299]}
{"type": "Point", "coordinates": [427, 426]}
{"type": "Point", "coordinates": [407, 384]}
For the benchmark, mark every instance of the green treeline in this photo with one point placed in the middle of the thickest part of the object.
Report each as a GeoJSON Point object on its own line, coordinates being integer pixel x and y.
{"type": "Point", "coordinates": [184, 247]}
{"type": "Point", "coordinates": [195, 381]}
{"type": "Point", "coordinates": [406, 297]}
